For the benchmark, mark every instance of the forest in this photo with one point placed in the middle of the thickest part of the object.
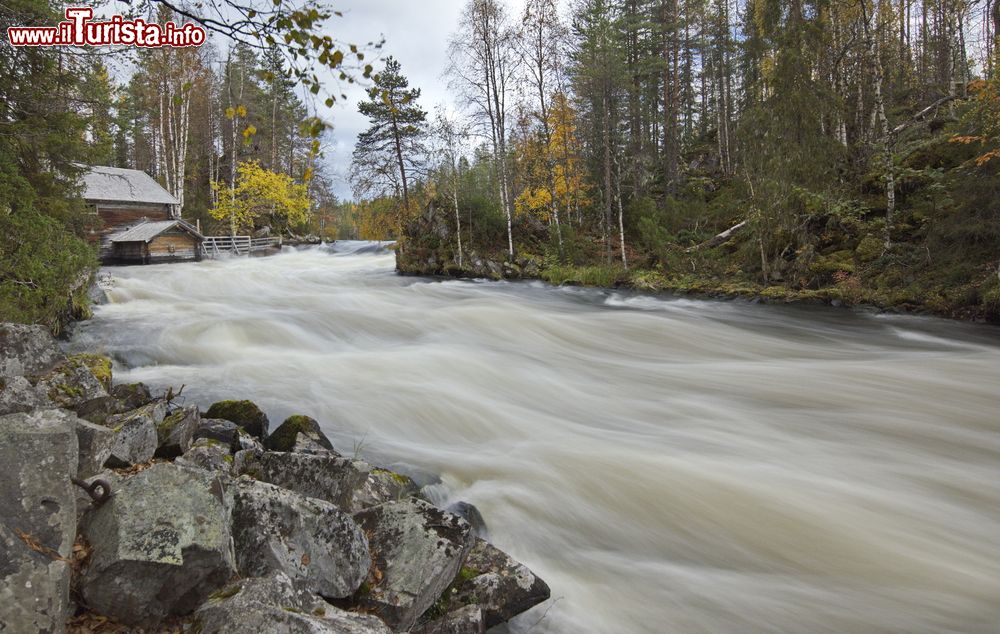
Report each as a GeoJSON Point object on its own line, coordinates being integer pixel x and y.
{"type": "Point", "coordinates": [828, 151]}
{"type": "Point", "coordinates": [839, 152]}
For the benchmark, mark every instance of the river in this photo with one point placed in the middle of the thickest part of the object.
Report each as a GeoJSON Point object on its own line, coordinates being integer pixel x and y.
{"type": "Point", "coordinates": [666, 465]}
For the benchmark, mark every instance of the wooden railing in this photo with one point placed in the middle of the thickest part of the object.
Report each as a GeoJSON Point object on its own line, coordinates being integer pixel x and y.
{"type": "Point", "coordinates": [214, 246]}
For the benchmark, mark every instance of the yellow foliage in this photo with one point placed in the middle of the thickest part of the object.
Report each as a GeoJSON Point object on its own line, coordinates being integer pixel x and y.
{"type": "Point", "coordinates": [260, 192]}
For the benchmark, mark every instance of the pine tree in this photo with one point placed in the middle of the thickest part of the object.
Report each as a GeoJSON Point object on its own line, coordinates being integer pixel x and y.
{"type": "Point", "coordinates": [391, 150]}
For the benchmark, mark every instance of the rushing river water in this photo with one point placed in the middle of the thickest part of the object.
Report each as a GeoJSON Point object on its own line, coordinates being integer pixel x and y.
{"type": "Point", "coordinates": [667, 465]}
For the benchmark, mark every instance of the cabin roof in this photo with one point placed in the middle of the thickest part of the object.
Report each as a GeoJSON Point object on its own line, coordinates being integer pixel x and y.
{"type": "Point", "coordinates": [115, 184]}
{"type": "Point", "coordinates": [147, 230]}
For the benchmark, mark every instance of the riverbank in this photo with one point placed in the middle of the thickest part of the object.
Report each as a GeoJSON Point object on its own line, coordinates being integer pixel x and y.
{"type": "Point", "coordinates": [964, 304]}
{"type": "Point", "coordinates": [128, 508]}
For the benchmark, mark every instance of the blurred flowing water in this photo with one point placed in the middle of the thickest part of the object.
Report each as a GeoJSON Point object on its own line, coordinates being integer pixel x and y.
{"type": "Point", "coordinates": [667, 465]}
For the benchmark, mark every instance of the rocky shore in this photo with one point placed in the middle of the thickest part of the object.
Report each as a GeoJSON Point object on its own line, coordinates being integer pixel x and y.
{"type": "Point", "coordinates": [126, 511]}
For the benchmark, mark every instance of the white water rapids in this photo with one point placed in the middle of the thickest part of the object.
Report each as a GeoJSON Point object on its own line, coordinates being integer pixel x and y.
{"type": "Point", "coordinates": [666, 465]}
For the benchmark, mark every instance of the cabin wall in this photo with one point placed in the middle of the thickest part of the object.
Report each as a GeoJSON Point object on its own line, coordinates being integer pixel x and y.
{"type": "Point", "coordinates": [129, 252]}
{"type": "Point", "coordinates": [172, 246]}
{"type": "Point", "coordinates": [114, 217]}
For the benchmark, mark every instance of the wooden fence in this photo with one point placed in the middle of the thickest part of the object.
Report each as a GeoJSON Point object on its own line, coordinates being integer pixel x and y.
{"type": "Point", "coordinates": [214, 246]}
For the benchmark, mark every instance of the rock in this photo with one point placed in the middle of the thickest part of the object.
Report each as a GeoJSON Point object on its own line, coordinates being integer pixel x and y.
{"type": "Point", "coordinates": [96, 443]}
{"type": "Point", "coordinates": [72, 383]}
{"type": "Point", "coordinates": [160, 545]}
{"type": "Point", "coordinates": [418, 551]}
{"type": "Point", "coordinates": [175, 433]}
{"type": "Point", "coordinates": [27, 350]}
{"type": "Point", "coordinates": [246, 414]}
{"type": "Point", "coordinates": [465, 620]}
{"type": "Point", "coordinates": [468, 512]}
{"type": "Point", "coordinates": [276, 604]}
{"type": "Point", "coordinates": [309, 540]}
{"type": "Point", "coordinates": [38, 454]}
{"type": "Point", "coordinates": [207, 454]}
{"type": "Point", "coordinates": [98, 364]}
{"type": "Point", "coordinates": [245, 441]}
{"type": "Point", "coordinates": [132, 395]}
{"type": "Point", "coordinates": [17, 394]}
{"type": "Point", "coordinates": [98, 410]}
{"type": "Point", "coordinates": [326, 477]}
{"type": "Point", "coordinates": [381, 486]}
{"type": "Point", "coordinates": [135, 434]}
{"type": "Point", "coordinates": [219, 430]}
{"type": "Point", "coordinates": [305, 444]}
{"type": "Point", "coordinates": [284, 437]}
{"type": "Point", "coordinates": [502, 587]}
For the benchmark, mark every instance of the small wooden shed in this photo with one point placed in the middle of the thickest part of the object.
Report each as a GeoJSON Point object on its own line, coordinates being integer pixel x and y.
{"type": "Point", "coordinates": [156, 241]}
{"type": "Point", "coordinates": [124, 198]}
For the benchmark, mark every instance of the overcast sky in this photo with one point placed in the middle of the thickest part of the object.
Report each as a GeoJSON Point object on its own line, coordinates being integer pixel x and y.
{"type": "Point", "coordinates": [416, 33]}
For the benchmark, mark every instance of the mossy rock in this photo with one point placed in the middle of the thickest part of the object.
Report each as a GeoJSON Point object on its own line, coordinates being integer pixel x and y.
{"type": "Point", "coordinates": [283, 438]}
{"type": "Point", "coordinates": [991, 304]}
{"type": "Point", "coordinates": [98, 364]}
{"type": "Point", "coordinates": [829, 264]}
{"type": "Point", "coordinates": [870, 248]}
{"type": "Point", "coordinates": [245, 414]}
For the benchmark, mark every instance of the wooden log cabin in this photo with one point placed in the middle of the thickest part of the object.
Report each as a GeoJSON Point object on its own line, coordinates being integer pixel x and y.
{"type": "Point", "coordinates": [138, 220]}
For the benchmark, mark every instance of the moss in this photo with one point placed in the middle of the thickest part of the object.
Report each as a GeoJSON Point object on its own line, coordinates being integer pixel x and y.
{"type": "Point", "coordinates": [169, 423]}
{"type": "Point", "coordinates": [396, 477]}
{"type": "Point", "coordinates": [228, 458]}
{"type": "Point", "coordinates": [244, 413]}
{"type": "Point", "coordinates": [870, 248]}
{"type": "Point", "coordinates": [991, 303]}
{"type": "Point", "coordinates": [283, 438]}
{"type": "Point", "coordinates": [647, 280]}
{"type": "Point", "coordinates": [838, 261]}
{"type": "Point", "coordinates": [225, 593]}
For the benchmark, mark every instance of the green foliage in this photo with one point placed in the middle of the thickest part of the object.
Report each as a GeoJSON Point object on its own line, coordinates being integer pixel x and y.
{"type": "Point", "coordinates": [45, 271]}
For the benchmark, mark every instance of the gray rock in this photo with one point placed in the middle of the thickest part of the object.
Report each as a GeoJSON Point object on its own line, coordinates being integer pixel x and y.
{"type": "Point", "coordinates": [18, 394]}
{"type": "Point", "coordinates": [27, 350]}
{"type": "Point", "coordinates": [207, 454]}
{"type": "Point", "coordinates": [502, 587]}
{"type": "Point", "coordinates": [308, 539]}
{"type": "Point", "coordinates": [71, 384]}
{"type": "Point", "coordinates": [245, 441]}
{"type": "Point", "coordinates": [135, 434]}
{"type": "Point", "coordinates": [326, 477]}
{"type": "Point", "coordinates": [382, 486]}
{"type": "Point", "coordinates": [38, 454]}
{"type": "Point", "coordinates": [96, 443]}
{"type": "Point", "coordinates": [288, 433]}
{"type": "Point", "coordinates": [160, 545]}
{"type": "Point", "coordinates": [98, 410]}
{"type": "Point", "coordinates": [175, 433]}
{"type": "Point", "coordinates": [278, 605]}
{"type": "Point", "coordinates": [246, 414]}
{"type": "Point", "coordinates": [305, 444]}
{"type": "Point", "coordinates": [132, 395]}
{"type": "Point", "coordinates": [219, 430]}
{"type": "Point", "coordinates": [465, 620]}
{"type": "Point", "coordinates": [468, 512]}
{"type": "Point", "coordinates": [419, 550]}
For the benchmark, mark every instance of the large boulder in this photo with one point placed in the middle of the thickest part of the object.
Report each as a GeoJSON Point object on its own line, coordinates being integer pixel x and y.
{"type": "Point", "coordinates": [135, 434]}
{"type": "Point", "coordinates": [221, 431]}
{"type": "Point", "coordinates": [277, 604]}
{"type": "Point", "coordinates": [382, 486]}
{"type": "Point", "coordinates": [207, 454]}
{"type": "Point", "coordinates": [76, 380]}
{"type": "Point", "coordinates": [327, 477]}
{"type": "Point", "coordinates": [132, 395]}
{"type": "Point", "coordinates": [98, 410]}
{"type": "Point", "coordinates": [27, 350]}
{"type": "Point", "coordinates": [175, 432]}
{"type": "Point", "coordinates": [502, 587]}
{"type": "Point", "coordinates": [18, 394]}
{"type": "Point", "coordinates": [160, 546]}
{"type": "Point", "coordinates": [38, 455]}
{"type": "Point", "coordinates": [419, 550]}
{"type": "Point", "coordinates": [308, 539]}
{"type": "Point", "coordinates": [285, 437]}
{"type": "Point", "coordinates": [246, 414]}
{"type": "Point", "coordinates": [465, 620]}
{"type": "Point", "coordinates": [96, 443]}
